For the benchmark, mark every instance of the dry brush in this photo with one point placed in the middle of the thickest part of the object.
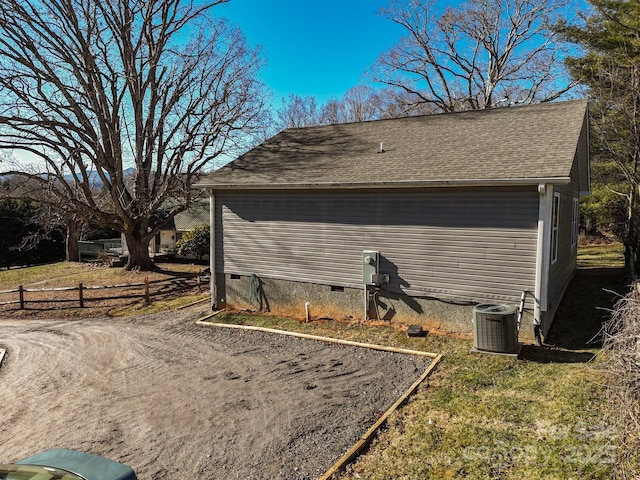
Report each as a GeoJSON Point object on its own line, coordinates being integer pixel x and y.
{"type": "Point", "coordinates": [621, 348]}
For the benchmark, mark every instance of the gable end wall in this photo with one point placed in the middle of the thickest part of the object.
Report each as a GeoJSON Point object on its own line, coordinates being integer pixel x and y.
{"type": "Point", "coordinates": [561, 272]}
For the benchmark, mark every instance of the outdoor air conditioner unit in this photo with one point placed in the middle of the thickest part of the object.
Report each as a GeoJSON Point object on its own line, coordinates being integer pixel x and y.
{"type": "Point", "coordinates": [495, 329]}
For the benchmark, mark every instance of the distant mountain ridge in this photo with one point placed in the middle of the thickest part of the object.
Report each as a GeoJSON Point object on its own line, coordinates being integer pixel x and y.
{"type": "Point", "coordinates": [95, 179]}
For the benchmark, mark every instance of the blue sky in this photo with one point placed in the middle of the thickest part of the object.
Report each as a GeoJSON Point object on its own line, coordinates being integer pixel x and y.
{"type": "Point", "coordinates": [319, 48]}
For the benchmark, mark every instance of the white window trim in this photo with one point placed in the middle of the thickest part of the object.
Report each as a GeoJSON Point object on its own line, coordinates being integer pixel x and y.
{"type": "Point", "coordinates": [575, 222]}
{"type": "Point", "coordinates": [555, 223]}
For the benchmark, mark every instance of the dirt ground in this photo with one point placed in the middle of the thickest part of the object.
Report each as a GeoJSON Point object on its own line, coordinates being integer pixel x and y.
{"type": "Point", "coordinates": [176, 400]}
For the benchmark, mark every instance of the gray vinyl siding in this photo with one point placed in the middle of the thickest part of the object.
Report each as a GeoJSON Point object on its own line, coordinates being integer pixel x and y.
{"type": "Point", "coordinates": [561, 272]}
{"type": "Point", "coordinates": [459, 244]}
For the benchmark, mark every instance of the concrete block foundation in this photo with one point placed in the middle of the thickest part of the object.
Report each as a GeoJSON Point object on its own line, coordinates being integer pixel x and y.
{"type": "Point", "coordinates": [288, 298]}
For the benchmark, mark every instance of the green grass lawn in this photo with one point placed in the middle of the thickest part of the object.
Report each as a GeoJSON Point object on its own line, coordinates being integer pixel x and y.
{"type": "Point", "coordinates": [601, 256]}
{"type": "Point", "coordinates": [480, 416]}
{"type": "Point", "coordinates": [70, 274]}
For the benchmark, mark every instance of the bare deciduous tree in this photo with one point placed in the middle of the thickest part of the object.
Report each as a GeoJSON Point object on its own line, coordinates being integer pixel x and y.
{"type": "Point", "coordinates": [120, 104]}
{"type": "Point", "coordinates": [359, 104]}
{"type": "Point", "coordinates": [298, 112]}
{"type": "Point", "coordinates": [52, 215]}
{"type": "Point", "coordinates": [482, 54]}
{"type": "Point", "coordinates": [332, 112]}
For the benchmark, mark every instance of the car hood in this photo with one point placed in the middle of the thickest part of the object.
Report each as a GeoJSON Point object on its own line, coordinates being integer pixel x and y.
{"type": "Point", "coordinates": [86, 465]}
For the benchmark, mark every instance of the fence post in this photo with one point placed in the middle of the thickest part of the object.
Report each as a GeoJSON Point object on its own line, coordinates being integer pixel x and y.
{"type": "Point", "coordinates": [146, 290]}
{"type": "Point", "coordinates": [80, 294]}
{"type": "Point", "coordinates": [21, 293]}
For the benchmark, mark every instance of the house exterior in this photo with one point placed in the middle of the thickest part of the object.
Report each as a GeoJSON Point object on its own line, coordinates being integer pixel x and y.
{"type": "Point", "coordinates": [90, 250]}
{"type": "Point", "coordinates": [164, 242]}
{"type": "Point", "coordinates": [449, 210]}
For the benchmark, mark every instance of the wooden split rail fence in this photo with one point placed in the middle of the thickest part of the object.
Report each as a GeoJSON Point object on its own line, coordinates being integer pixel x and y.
{"type": "Point", "coordinates": [81, 299]}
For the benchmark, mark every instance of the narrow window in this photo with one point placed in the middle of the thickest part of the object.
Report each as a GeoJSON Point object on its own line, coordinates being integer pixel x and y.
{"type": "Point", "coordinates": [575, 222]}
{"type": "Point", "coordinates": [554, 227]}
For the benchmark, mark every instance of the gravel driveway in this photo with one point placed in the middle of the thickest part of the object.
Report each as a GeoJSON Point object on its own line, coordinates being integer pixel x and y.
{"type": "Point", "coordinates": [176, 400]}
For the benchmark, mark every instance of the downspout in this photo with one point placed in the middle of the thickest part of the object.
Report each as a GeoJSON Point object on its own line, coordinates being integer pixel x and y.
{"type": "Point", "coordinates": [542, 258]}
{"type": "Point", "coordinates": [212, 250]}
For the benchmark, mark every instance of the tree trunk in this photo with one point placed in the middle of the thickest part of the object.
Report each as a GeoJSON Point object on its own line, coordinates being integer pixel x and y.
{"type": "Point", "coordinates": [73, 236]}
{"type": "Point", "coordinates": [632, 234]}
{"type": "Point", "coordinates": [631, 242]}
{"type": "Point", "coordinates": [138, 240]}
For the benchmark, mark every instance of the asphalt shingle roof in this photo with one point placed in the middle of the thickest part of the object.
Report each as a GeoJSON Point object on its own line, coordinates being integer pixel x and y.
{"type": "Point", "coordinates": [515, 143]}
{"type": "Point", "coordinates": [195, 216]}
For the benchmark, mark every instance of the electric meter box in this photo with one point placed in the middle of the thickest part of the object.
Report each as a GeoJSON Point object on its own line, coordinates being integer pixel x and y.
{"type": "Point", "coordinates": [370, 261]}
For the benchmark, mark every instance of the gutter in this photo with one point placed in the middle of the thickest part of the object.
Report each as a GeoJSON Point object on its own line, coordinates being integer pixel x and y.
{"type": "Point", "coordinates": [484, 182]}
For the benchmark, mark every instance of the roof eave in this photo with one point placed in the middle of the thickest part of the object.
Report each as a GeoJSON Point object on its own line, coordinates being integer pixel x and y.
{"type": "Point", "coordinates": [485, 182]}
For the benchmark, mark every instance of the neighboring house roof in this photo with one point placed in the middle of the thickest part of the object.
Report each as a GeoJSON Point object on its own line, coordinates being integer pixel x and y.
{"type": "Point", "coordinates": [196, 215]}
{"type": "Point", "coordinates": [518, 145]}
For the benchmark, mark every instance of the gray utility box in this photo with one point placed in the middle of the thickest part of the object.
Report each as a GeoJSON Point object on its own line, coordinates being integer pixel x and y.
{"type": "Point", "coordinates": [495, 328]}
{"type": "Point", "coordinates": [370, 260]}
